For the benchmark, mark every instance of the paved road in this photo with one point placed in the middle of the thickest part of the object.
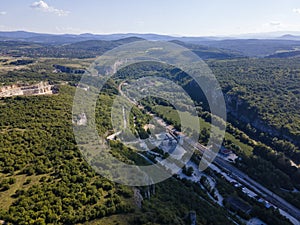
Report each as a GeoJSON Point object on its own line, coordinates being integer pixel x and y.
{"type": "Point", "coordinates": [250, 183]}
{"type": "Point", "coordinates": [266, 193]}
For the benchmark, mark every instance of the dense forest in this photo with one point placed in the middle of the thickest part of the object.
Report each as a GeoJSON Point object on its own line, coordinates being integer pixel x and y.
{"type": "Point", "coordinates": [44, 179]}
{"type": "Point", "coordinates": [263, 95]}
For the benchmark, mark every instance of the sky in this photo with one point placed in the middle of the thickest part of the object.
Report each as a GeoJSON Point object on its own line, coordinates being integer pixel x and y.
{"type": "Point", "coordinates": [172, 17]}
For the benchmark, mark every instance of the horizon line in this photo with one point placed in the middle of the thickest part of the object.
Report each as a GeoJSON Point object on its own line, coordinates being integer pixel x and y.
{"type": "Point", "coordinates": [271, 33]}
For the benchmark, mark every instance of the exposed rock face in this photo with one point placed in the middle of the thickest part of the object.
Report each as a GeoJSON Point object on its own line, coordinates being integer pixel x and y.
{"type": "Point", "coordinates": [138, 198]}
{"type": "Point", "coordinates": [242, 111]}
{"type": "Point", "coordinates": [149, 191]}
{"type": "Point", "coordinates": [21, 62]}
{"type": "Point", "coordinates": [22, 89]}
{"type": "Point", "coordinates": [82, 120]}
{"type": "Point", "coordinates": [66, 69]}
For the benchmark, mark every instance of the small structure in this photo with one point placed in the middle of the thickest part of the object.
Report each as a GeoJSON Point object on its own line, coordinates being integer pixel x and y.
{"type": "Point", "coordinates": [248, 192]}
{"type": "Point", "coordinates": [193, 218]}
{"type": "Point", "coordinates": [225, 152]}
{"type": "Point", "coordinates": [266, 203]}
{"type": "Point", "coordinates": [255, 221]}
{"type": "Point", "coordinates": [235, 183]}
{"type": "Point", "coordinates": [238, 204]}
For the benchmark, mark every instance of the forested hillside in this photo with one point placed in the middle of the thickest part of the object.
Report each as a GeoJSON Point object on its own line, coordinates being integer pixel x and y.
{"type": "Point", "coordinates": [263, 93]}
{"type": "Point", "coordinates": [45, 180]}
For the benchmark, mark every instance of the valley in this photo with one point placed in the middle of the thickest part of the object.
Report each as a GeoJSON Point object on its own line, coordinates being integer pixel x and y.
{"type": "Point", "coordinates": [45, 178]}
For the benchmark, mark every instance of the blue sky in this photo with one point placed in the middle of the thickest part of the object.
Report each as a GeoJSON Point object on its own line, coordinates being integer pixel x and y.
{"type": "Point", "coordinates": [174, 17]}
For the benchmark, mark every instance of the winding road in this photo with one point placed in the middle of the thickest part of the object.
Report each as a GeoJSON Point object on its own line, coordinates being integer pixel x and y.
{"type": "Point", "coordinates": [280, 203]}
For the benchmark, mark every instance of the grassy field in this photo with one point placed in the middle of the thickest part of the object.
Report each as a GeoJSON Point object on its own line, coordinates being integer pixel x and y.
{"type": "Point", "coordinates": [23, 182]}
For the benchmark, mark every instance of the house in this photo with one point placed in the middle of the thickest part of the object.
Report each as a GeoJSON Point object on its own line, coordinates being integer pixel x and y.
{"type": "Point", "coordinates": [237, 204]}
{"type": "Point", "coordinates": [225, 152]}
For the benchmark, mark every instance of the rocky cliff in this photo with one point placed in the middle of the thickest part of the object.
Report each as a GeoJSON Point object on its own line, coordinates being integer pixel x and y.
{"type": "Point", "coordinates": [242, 111]}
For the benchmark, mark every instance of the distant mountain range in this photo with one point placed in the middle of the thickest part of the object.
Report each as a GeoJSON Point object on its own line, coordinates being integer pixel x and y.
{"type": "Point", "coordinates": [251, 45]}
{"type": "Point", "coordinates": [68, 38]}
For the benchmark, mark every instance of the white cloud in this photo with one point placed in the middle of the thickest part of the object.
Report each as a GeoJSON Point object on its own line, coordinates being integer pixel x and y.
{"type": "Point", "coordinates": [72, 30]}
{"type": "Point", "coordinates": [296, 10]}
{"type": "Point", "coordinates": [43, 6]}
{"type": "Point", "coordinates": [274, 23]}
{"type": "Point", "coordinates": [3, 13]}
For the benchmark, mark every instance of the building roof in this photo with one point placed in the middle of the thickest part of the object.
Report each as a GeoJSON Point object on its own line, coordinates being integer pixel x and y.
{"type": "Point", "coordinates": [238, 204]}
